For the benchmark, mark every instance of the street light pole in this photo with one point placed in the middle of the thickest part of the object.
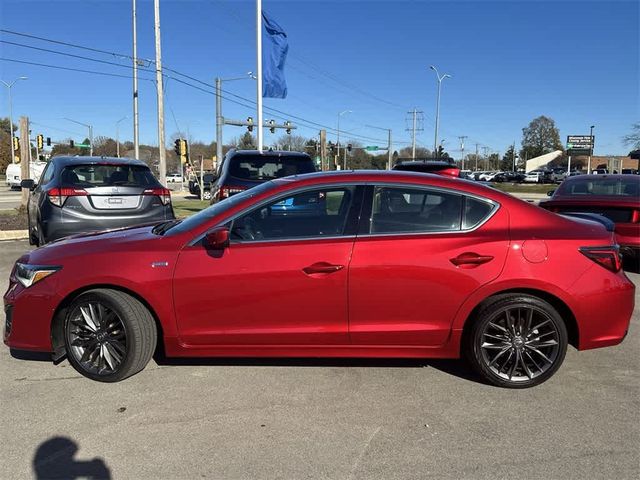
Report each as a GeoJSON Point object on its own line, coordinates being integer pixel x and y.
{"type": "Point", "coordinates": [136, 138]}
{"type": "Point", "coordinates": [9, 85]}
{"type": "Point", "coordinates": [338, 136]}
{"type": "Point", "coordinates": [160, 96]}
{"type": "Point", "coordinates": [440, 78]}
{"type": "Point", "coordinates": [90, 133]}
{"type": "Point", "coordinates": [118, 135]}
{"type": "Point", "coordinates": [219, 116]}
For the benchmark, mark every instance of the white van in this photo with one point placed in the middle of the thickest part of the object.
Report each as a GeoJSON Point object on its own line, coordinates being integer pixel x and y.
{"type": "Point", "coordinates": [14, 173]}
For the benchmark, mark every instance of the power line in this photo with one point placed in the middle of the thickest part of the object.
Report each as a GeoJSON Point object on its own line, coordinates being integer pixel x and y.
{"type": "Point", "coordinates": [58, 67]}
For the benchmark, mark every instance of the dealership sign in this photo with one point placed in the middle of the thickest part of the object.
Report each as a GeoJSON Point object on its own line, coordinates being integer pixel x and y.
{"type": "Point", "coordinates": [580, 144]}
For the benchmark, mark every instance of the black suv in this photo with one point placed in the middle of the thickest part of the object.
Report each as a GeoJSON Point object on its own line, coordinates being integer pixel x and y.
{"type": "Point", "coordinates": [244, 169]}
{"type": "Point", "coordinates": [208, 180]}
{"type": "Point", "coordinates": [91, 194]}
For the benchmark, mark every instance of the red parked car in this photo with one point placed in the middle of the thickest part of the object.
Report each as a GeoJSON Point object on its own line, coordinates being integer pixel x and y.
{"type": "Point", "coordinates": [345, 264]}
{"type": "Point", "coordinates": [616, 197]}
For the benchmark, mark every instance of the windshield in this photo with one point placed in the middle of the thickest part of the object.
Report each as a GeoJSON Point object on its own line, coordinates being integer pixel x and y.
{"type": "Point", "coordinates": [203, 216]}
{"type": "Point", "coordinates": [586, 185]}
{"type": "Point", "coordinates": [267, 167]}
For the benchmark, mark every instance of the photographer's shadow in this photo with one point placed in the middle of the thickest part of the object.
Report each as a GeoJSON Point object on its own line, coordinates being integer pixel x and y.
{"type": "Point", "coordinates": [54, 460]}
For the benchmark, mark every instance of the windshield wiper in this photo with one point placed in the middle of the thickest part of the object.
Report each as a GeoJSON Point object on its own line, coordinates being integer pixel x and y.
{"type": "Point", "coordinates": [161, 228]}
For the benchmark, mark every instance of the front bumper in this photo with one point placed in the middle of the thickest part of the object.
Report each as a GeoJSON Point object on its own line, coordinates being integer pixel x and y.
{"type": "Point", "coordinates": [28, 316]}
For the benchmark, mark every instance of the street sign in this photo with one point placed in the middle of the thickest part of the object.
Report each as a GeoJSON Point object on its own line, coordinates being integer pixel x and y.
{"type": "Point", "coordinates": [372, 147]}
{"type": "Point", "coordinates": [83, 145]}
{"type": "Point", "coordinates": [580, 144]}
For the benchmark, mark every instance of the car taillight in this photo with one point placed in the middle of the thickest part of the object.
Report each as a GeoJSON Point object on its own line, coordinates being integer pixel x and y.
{"type": "Point", "coordinates": [608, 256]}
{"type": "Point", "coordinates": [226, 192]}
{"type": "Point", "coordinates": [58, 196]}
{"type": "Point", "coordinates": [163, 193]}
{"type": "Point", "coordinates": [635, 216]}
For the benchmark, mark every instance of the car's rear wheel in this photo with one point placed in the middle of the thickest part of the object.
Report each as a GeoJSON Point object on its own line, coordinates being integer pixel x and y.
{"type": "Point", "coordinates": [517, 341]}
{"type": "Point", "coordinates": [109, 335]}
{"type": "Point", "coordinates": [40, 240]}
{"type": "Point", "coordinates": [206, 195]}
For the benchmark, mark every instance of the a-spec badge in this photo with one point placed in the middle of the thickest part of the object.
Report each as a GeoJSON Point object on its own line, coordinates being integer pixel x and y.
{"type": "Point", "coordinates": [159, 264]}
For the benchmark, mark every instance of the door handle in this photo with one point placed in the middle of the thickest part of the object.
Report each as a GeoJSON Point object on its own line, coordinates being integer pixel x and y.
{"type": "Point", "coordinates": [470, 260]}
{"type": "Point", "coordinates": [322, 267]}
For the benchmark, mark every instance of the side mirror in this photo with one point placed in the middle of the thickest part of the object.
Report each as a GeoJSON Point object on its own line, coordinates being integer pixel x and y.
{"type": "Point", "coordinates": [550, 193]}
{"type": "Point", "coordinates": [28, 183]}
{"type": "Point", "coordinates": [217, 239]}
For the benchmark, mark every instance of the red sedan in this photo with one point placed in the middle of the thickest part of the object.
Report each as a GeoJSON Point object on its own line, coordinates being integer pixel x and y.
{"type": "Point", "coordinates": [347, 264]}
{"type": "Point", "coordinates": [616, 197]}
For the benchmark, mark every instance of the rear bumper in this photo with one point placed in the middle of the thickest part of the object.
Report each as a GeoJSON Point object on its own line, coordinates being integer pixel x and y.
{"type": "Point", "coordinates": [603, 304]}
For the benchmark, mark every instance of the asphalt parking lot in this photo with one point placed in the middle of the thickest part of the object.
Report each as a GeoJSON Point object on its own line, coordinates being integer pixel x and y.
{"type": "Point", "coordinates": [333, 419]}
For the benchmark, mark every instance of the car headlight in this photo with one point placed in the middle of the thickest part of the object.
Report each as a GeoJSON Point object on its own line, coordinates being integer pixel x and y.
{"type": "Point", "coordinates": [28, 275]}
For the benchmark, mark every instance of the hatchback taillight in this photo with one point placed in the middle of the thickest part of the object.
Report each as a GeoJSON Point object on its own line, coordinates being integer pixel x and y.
{"type": "Point", "coordinates": [226, 192]}
{"type": "Point", "coordinates": [58, 196]}
{"type": "Point", "coordinates": [635, 216]}
{"type": "Point", "coordinates": [608, 256]}
{"type": "Point", "coordinates": [163, 193]}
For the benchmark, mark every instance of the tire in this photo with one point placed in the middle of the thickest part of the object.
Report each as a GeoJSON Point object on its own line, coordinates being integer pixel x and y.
{"type": "Point", "coordinates": [120, 346]}
{"type": "Point", "coordinates": [500, 346]}
{"type": "Point", "coordinates": [32, 238]}
{"type": "Point", "coordinates": [40, 240]}
{"type": "Point", "coordinates": [206, 195]}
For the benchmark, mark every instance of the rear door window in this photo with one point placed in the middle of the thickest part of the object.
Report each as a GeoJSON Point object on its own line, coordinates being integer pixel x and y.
{"type": "Point", "coordinates": [264, 167]}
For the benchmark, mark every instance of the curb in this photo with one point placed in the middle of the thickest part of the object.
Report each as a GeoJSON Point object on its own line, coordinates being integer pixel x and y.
{"type": "Point", "coordinates": [14, 234]}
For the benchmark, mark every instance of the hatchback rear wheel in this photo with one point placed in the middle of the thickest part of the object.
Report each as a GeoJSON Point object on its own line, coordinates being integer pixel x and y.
{"type": "Point", "coordinates": [109, 335]}
{"type": "Point", "coordinates": [517, 341]}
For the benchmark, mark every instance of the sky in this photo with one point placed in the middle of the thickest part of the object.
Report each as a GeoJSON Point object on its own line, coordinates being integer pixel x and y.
{"type": "Point", "coordinates": [510, 61]}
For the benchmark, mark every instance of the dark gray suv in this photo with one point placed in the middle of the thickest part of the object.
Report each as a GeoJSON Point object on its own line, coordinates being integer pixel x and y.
{"type": "Point", "coordinates": [91, 194]}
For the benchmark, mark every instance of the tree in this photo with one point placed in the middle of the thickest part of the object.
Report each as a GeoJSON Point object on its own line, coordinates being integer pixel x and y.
{"type": "Point", "coordinates": [296, 143]}
{"type": "Point", "coordinates": [5, 149]}
{"type": "Point", "coordinates": [539, 137]}
{"type": "Point", "coordinates": [633, 139]}
{"type": "Point", "coordinates": [421, 152]}
{"type": "Point", "coordinates": [507, 162]}
{"type": "Point", "coordinates": [104, 146]}
{"type": "Point", "coordinates": [247, 142]}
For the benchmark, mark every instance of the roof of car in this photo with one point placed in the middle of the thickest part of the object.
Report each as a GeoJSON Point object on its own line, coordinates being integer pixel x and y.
{"type": "Point", "coordinates": [271, 153]}
{"type": "Point", "coordinates": [69, 161]}
{"type": "Point", "coordinates": [442, 163]}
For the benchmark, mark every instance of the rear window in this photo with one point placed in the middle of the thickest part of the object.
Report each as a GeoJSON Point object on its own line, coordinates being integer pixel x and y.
{"type": "Point", "coordinates": [264, 167]}
{"type": "Point", "coordinates": [94, 175]}
{"type": "Point", "coordinates": [593, 185]}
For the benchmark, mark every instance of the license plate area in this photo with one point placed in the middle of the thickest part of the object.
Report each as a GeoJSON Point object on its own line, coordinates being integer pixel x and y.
{"type": "Point", "coordinates": [115, 202]}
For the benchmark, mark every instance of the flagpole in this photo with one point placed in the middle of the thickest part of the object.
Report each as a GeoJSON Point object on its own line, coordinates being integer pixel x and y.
{"type": "Point", "coordinates": [259, 70]}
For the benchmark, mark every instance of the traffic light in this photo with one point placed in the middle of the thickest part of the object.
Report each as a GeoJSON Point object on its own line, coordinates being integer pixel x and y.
{"type": "Point", "coordinates": [16, 144]}
{"type": "Point", "coordinates": [272, 128]}
{"type": "Point", "coordinates": [177, 146]}
{"type": "Point", "coordinates": [72, 144]}
{"type": "Point", "coordinates": [349, 147]}
{"type": "Point", "coordinates": [288, 125]}
{"type": "Point", "coordinates": [181, 147]}
{"type": "Point", "coordinates": [250, 122]}
{"type": "Point", "coordinates": [332, 147]}
{"type": "Point", "coordinates": [40, 141]}
{"type": "Point", "coordinates": [48, 141]}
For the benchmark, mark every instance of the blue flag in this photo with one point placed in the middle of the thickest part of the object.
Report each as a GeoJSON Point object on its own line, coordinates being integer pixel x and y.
{"type": "Point", "coordinates": [274, 54]}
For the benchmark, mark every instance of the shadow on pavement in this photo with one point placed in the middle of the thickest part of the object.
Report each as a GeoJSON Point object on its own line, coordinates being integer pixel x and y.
{"type": "Point", "coordinates": [54, 460]}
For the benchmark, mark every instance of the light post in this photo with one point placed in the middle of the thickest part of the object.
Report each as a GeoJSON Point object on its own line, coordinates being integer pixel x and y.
{"type": "Point", "coordinates": [389, 146]}
{"type": "Point", "coordinates": [90, 133]}
{"type": "Point", "coordinates": [9, 85]}
{"type": "Point", "coordinates": [118, 135]}
{"type": "Point", "coordinates": [219, 117]}
{"type": "Point", "coordinates": [590, 148]}
{"type": "Point", "coordinates": [440, 78]}
{"type": "Point", "coordinates": [338, 137]}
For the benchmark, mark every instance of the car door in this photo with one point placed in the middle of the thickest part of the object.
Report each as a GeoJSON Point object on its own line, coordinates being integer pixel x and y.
{"type": "Point", "coordinates": [281, 281]}
{"type": "Point", "coordinates": [421, 253]}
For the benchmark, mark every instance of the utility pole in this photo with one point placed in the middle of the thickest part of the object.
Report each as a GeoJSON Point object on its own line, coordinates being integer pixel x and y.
{"type": "Point", "coordinates": [462, 138]}
{"type": "Point", "coordinates": [323, 150]}
{"type": "Point", "coordinates": [159, 90]}
{"type": "Point", "coordinates": [136, 138]}
{"type": "Point", "coordinates": [590, 148]}
{"type": "Point", "coordinates": [219, 121]}
{"type": "Point", "coordinates": [477, 144]}
{"type": "Point", "coordinates": [25, 157]}
{"type": "Point", "coordinates": [338, 136]}
{"type": "Point", "coordinates": [514, 157]}
{"type": "Point", "coordinates": [486, 157]}
{"type": "Point", "coordinates": [413, 136]}
{"type": "Point", "coordinates": [259, 73]}
{"type": "Point", "coordinates": [390, 152]}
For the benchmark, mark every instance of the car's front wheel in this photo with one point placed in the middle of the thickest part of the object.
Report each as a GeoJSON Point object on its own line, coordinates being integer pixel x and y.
{"type": "Point", "coordinates": [109, 335]}
{"type": "Point", "coordinates": [517, 341]}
